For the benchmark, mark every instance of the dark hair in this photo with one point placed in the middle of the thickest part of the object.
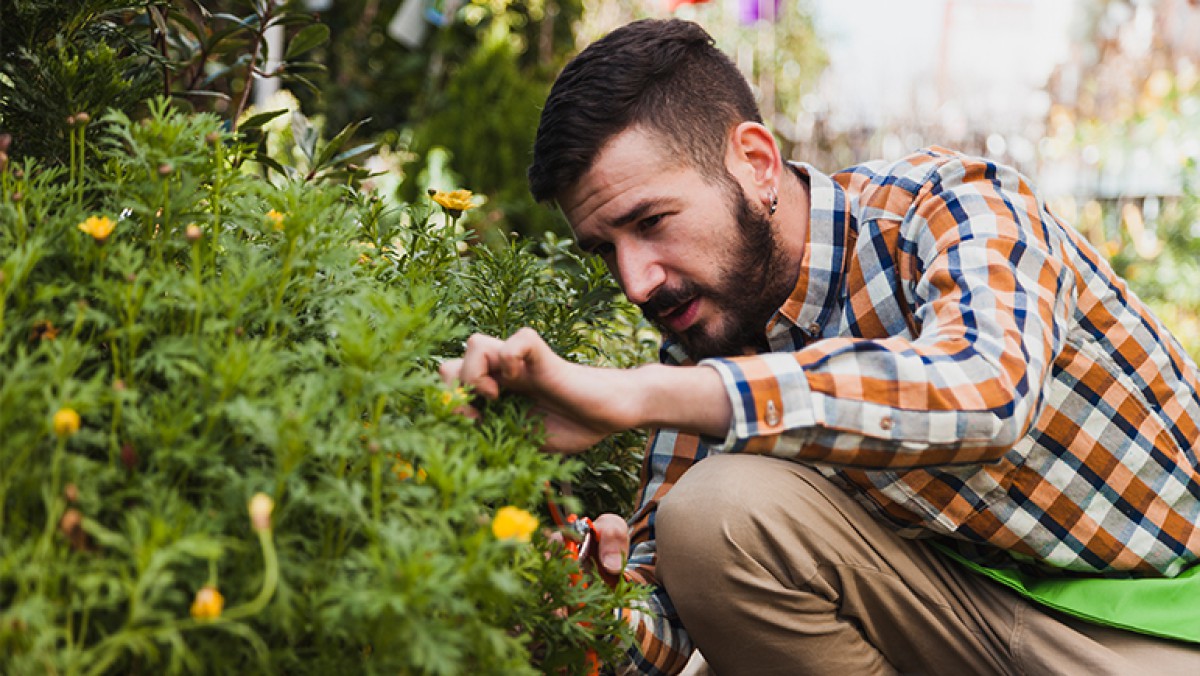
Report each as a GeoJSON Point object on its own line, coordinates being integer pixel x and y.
{"type": "Point", "coordinates": [665, 75]}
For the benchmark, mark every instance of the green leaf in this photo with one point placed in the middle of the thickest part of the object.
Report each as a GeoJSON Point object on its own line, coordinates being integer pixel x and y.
{"type": "Point", "coordinates": [294, 77]}
{"type": "Point", "coordinates": [353, 152]}
{"type": "Point", "coordinates": [305, 136]}
{"type": "Point", "coordinates": [308, 38]}
{"type": "Point", "coordinates": [270, 163]}
{"type": "Point", "coordinates": [257, 121]}
{"type": "Point", "coordinates": [335, 144]}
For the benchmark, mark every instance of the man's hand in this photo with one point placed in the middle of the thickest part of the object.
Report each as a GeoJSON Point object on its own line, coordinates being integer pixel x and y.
{"type": "Point", "coordinates": [613, 534]}
{"type": "Point", "coordinates": [582, 405]}
{"type": "Point", "coordinates": [576, 401]}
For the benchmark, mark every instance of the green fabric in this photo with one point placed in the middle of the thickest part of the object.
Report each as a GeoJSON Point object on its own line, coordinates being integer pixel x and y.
{"type": "Point", "coordinates": [1166, 607]}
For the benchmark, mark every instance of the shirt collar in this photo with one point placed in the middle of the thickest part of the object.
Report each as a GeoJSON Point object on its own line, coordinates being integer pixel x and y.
{"type": "Point", "coordinates": [814, 298]}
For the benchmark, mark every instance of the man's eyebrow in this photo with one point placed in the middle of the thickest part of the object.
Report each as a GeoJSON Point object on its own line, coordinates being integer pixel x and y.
{"type": "Point", "coordinates": [634, 214]}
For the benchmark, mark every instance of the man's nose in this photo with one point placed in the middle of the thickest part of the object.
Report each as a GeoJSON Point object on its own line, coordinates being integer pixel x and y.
{"type": "Point", "coordinates": [639, 272]}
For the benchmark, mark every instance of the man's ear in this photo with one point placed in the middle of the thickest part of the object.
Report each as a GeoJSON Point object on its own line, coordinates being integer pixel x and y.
{"type": "Point", "coordinates": [753, 158]}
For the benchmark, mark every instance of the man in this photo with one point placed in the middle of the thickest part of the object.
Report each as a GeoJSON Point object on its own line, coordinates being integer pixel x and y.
{"type": "Point", "coordinates": [897, 377]}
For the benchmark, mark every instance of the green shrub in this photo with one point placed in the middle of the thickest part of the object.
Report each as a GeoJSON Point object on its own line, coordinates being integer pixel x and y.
{"type": "Point", "coordinates": [232, 337]}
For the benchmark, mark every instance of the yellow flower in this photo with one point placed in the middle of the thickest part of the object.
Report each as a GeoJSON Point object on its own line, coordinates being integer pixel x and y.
{"type": "Point", "coordinates": [99, 227]}
{"type": "Point", "coordinates": [261, 506]}
{"type": "Point", "coordinates": [513, 523]}
{"type": "Point", "coordinates": [208, 603]}
{"type": "Point", "coordinates": [455, 397]}
{"type": "Point", "coordinates": [275, 219]}
{"type": "Point", "coordinates": [454, 202]}
{"type": "Point", "coordinates": [403, 470]}
{"type": "Point", "coordinates": [66, 422]}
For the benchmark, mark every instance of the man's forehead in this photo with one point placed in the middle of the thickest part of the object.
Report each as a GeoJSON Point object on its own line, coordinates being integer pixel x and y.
{"type": "Point", "coordinates": [625, 166]}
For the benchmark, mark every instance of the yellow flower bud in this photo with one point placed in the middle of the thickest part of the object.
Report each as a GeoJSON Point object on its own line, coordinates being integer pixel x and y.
{"type": "Point", "coordinates": [208, 603]}
{"type": "Point", "coordinates": [455, 397]}
{"type": "Point", "coordinates": [275, 219]}
{"type": "Point", "coordinates": [99, 227]}
{"type": "Point", "coordinates": [514, 523]}
{"type": "Point", "coordinates": [66, 422]}
{"type": "Point", "coordinates": [261, 506]}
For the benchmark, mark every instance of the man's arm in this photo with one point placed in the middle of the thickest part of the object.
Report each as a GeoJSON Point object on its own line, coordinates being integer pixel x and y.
{"type": "Point", "coordinates": [583, 404]}
{"type": "Point", "coordinates": [977, 264]}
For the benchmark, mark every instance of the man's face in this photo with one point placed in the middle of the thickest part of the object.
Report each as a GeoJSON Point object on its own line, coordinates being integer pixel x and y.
{"type": "Point", "coordinates": [695, 254]}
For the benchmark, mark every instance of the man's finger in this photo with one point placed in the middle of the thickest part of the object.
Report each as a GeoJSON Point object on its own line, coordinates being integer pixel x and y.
{"type": "Point", "coordinates": [613, 533]}
{"type": "Point", "coordinates": [449, 370]}
{"type": "Point", "coordinates": [478, 364]}
{"type": "Point", "coordinates": [518, 353]}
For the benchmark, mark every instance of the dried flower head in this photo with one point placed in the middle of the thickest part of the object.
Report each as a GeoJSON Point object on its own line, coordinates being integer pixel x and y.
{"type": "Point", "coordinates": [261, 506]}
{"type": "Point", "coordinates": [66, 422]}
{"type": "Point", "coordinates": [129, 456]}
{"type": "Point", "coordinates": [43, 329]}
{"type": "Point", "coordinates": [99, 227]}
{"type": "Point", "coordinates": [514, 523]}
{"type": "Point", "coordinates": [193, 233]}
{"type": "Point", "coordinates": [71, 526]}
{"type": "Point", "coordinates": [454, 202]}
{"type": "Point", "coordinates": [208, 603]}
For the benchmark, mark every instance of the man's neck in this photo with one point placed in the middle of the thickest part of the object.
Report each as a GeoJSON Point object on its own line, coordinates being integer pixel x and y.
{"type": "Point", "coordinates": [792, 217]}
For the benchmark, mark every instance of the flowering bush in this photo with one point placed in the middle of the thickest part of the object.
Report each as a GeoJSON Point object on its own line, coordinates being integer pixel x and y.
{"type": "Point", "coordinates": [224, 444]}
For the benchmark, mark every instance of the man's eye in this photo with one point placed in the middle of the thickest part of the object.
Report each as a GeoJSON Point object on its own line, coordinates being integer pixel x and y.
{"type": "Point", "coordinates": [649, 222]}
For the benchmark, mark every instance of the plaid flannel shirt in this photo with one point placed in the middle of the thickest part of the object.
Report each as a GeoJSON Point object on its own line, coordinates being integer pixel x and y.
{"type": "Point", "coordinates": [968, 368]}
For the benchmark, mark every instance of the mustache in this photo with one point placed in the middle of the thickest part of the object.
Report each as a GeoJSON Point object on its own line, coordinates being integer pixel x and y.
{"type": "Point", "coordinates": [667, 299]}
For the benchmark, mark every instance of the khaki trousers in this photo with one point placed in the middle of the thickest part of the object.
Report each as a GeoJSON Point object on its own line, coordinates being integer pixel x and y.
{"type": "Point", "coordinates": [774, 570]}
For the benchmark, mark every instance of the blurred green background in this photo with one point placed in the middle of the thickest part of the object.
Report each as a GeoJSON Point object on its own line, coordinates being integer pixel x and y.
{"type": "Point", "coordinates": [1097, 100]}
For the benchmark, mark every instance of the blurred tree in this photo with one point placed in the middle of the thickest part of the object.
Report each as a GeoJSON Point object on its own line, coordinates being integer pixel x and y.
{"type": "Point", "coordinates": [775, 44]}
{"type": "Point", "coordinates": [58, 59]}
{"type": "Point", "coordinates": [425, 79]}
{"type": "Point", "coordinates": [1124, 126]}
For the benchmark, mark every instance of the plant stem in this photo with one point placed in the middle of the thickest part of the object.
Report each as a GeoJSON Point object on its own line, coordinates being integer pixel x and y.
{"type": "Point", "coordinates": [72, 145]}
{"type": "Point", "coordinates": [270, 581]}
{"type": "Point", "coordinates": [283, 282]}
{"type": "Point", "coordinates": [82, 155]}
{"type": "Point", "coordinates": [264, 18]}
{"type": "Point", "coordinates": [197, 274]}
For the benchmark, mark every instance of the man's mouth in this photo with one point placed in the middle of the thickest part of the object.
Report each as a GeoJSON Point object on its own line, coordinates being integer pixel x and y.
{"type": "Point", "coordinates": [679, 318]}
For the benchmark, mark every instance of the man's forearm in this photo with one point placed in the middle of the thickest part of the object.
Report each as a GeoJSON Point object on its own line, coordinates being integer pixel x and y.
{"type": "Point", "coordinates": [687, 398]}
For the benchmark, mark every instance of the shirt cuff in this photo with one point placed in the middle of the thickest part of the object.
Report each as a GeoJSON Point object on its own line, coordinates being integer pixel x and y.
{"type": "Point", "coordinates": [769, 395]}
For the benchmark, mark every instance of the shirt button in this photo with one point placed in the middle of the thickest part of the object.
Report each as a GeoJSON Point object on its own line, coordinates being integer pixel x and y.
{"type": "Point", "coordinates": [772, 413]}
{"type": "Point", "coordinates": [814, 329]}
{"type": "Point", "coordinates": [885, 423]}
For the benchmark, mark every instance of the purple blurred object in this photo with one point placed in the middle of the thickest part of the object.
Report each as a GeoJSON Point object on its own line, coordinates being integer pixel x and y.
{"type": "Point", "coordinates": [753, 11]}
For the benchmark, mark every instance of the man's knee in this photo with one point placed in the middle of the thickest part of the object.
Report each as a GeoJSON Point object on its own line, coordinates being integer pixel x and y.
{"type": "Point", "coordinates": [719, 519]}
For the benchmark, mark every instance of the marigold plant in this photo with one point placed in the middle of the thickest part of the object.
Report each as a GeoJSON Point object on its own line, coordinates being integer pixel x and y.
{"type": "Point", "coordinates": [271, 477]}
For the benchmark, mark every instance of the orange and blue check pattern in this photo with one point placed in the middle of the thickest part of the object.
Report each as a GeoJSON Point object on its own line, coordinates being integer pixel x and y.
{"type": "Point", "coordinates": [969, 368]}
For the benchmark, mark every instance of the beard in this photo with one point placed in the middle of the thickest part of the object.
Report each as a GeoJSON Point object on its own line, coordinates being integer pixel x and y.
{"type": "Point", "coordinates": [754, 284]}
